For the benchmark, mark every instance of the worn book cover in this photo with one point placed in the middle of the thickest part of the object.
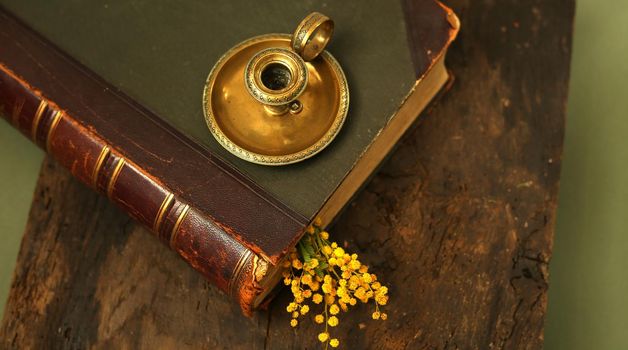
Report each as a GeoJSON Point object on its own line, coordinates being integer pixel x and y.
{"type": "Point", "coordinates": [113, 92]}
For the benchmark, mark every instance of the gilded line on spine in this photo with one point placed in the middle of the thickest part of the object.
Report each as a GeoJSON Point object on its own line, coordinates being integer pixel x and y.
{"type": "Point", "coordinates": [162, 211]}
{"type": "Point", "coordinates": [236, 272]}
{"type": "Point", "coordinates": [177, 224]}
{"type": "Point", "coordinates": [114, 176]}
{"type": "Point", "coordinates": [40, 111]}
{"type": "Point", "coordinates": [104, 153]}
{"type": "Point", "coordinates": [53, 125]}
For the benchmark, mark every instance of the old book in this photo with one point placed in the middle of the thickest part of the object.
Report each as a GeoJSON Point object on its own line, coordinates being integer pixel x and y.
{"type": "Point", "coordinates": [113, 92]}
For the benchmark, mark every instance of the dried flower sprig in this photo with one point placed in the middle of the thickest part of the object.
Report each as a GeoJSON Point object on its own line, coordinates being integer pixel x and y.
{"type": "Point", "coordinates": [321, 274]}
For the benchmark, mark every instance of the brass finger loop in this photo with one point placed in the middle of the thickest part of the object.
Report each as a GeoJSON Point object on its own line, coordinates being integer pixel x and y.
{"type": "Point", "coordinates": [312, 35]}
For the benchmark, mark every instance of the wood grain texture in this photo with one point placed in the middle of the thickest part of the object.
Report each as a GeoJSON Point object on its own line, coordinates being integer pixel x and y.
{"type": "Point", "coordinates": [459, 222]}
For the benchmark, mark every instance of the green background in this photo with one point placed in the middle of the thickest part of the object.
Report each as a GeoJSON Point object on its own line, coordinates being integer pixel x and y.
{"type": "Point", "coordinates": [588, 295]}
{"type": "Point", "coordinates": [588, 298]}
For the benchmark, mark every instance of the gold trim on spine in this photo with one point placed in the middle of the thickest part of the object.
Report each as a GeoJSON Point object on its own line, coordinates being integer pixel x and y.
{"type": "Point", "coordinates": [40, 111]}
{"type": "Point", "coordinates": [177, 224]}
{"type": "Point", "coordinates": [104, 152]}
{"type": "Point", "coordinates": [236, 272]}
{"type": "Point", "coordinates": [114, 176]}
{"type": "Point", "coordinates": [162, 210]}
{"type": "Point", "coordinates": [53, 125]}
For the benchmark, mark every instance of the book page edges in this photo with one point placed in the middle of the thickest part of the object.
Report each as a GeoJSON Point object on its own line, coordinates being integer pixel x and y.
{"type": "Point", "coordinates": [423, 92]}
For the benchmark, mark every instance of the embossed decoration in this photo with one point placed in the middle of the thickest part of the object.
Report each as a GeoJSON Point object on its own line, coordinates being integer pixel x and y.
{"type": "Point", "coordinates": [293, 62]}
{"type": "Point", "coordinates": [312, 35]}
{"type": "Point", "coordinates": [278, 99]}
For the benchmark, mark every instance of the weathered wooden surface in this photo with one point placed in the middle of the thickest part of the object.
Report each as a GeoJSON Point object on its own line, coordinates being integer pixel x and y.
{"type": "Point", "coordinates": [459, 222]}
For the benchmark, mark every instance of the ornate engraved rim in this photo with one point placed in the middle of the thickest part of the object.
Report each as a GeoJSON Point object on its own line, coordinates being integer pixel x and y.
{"type": "Point", "coordinates": [263, 159]}
{"type": "Point", "coordinates": [297, 68]}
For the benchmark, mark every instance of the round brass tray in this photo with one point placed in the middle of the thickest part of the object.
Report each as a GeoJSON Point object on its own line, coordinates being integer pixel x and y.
{"type": "Point", "coordinates": [245, 127]}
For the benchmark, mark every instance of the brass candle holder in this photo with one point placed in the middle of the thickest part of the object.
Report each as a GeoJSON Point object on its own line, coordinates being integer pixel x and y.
{"type": "Point", "coordinates": [278, 99]}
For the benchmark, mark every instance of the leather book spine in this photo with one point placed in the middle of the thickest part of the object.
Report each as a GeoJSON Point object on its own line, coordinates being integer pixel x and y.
{"type": "Point", "coordinates": [204, 244]}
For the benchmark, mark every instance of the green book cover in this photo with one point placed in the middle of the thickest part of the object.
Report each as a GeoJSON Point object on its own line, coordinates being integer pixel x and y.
{"type": "Point", "coordinates": [160, 55]}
